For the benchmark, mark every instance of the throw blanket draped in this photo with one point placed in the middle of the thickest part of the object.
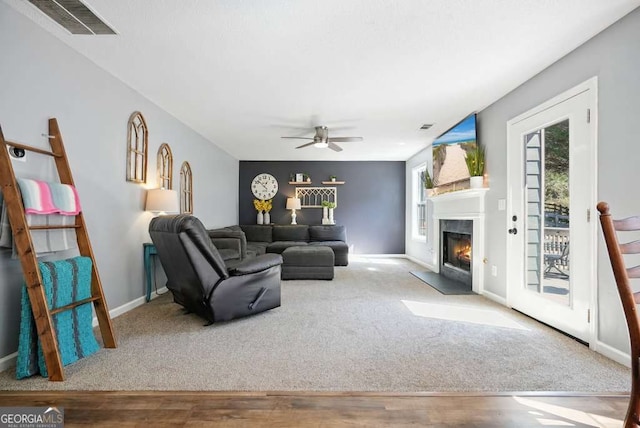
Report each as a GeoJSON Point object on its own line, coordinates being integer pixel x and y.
{"type": "Point", "coordinates": [44, 241]}
{"type": "Point", "coordinates": [65, 282]}
{"type": "Point", "coordinates": [42, 197]}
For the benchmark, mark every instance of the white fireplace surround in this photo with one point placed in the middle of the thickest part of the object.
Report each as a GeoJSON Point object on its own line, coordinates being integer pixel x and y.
{"type": "Point", "coordinates": [461, 205]}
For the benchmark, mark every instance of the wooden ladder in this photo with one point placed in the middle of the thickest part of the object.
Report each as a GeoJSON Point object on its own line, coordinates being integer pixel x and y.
{"type": "Point", "coordinates": [27, 255]}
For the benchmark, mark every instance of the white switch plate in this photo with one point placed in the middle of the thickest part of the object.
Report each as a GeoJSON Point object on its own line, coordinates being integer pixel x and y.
{"type": "Point", "coordinates": [494, 270]}
{"type": "Point", "coordinates": [502, 204]}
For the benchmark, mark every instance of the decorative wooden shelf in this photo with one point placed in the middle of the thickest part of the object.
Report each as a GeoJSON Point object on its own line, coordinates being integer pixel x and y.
{"type": "Point", "coordinates": [333, 182]}
{"type": "Point", "coordinates": [312, 197]}
{"type": "Point", "coordinates": [295, 183]}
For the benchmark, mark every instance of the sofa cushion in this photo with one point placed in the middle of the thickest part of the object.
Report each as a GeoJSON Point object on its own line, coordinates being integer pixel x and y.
{"type": "Point", "coordinates": [279, 246]}
{"type": "Point", "coordinates": [308, 256]}
{"type": "Point", "coordinates": [340, 250]}
{"type": "Point", "coordinates": [257, 232]}
{"type": "Point", "coordinates": [291, 232]}
{"type": "Point", "coordinates": [328, 233]}
{"type": "Point", "coordinates": [257, 264]}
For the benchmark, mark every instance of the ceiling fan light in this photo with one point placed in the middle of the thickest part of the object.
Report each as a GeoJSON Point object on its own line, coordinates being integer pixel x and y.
{"type": "Point", "coordinates": [321, 144]}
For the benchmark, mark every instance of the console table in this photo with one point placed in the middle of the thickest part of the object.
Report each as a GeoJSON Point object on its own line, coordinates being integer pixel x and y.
{"type": "Point", "coordinates": [149, 265]}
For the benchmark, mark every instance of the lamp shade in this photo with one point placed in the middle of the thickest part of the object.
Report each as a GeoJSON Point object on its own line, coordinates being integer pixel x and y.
{"type": "Point", "coordinates": [293, 203]}
{"type": "Point", "coordinates": [162, 200]}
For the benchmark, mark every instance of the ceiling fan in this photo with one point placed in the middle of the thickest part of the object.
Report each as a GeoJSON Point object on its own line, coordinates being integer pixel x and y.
{"type": "Point", "coordinates": [322, 140]}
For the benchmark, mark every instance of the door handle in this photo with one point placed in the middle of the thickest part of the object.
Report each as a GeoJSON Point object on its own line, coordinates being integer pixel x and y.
{"type": "Point", "coordinates": [513, 231]}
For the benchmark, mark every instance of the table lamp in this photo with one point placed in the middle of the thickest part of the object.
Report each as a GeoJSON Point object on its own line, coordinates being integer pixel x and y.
{"type": "Point", "coordinates": [162, 201]}
{"type": "Point", "coordinates": [293, 204]}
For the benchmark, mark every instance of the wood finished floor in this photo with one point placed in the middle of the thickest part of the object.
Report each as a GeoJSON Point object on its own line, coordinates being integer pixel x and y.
{"type": "Point", "coordinates": [300, 409]}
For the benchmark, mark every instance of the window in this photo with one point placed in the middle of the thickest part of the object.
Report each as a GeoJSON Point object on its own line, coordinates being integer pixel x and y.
{"type": "Point", "coordinates": [419, 201]}
{"type": "Point", "coordinates": [137, 142]}
{"type": "Point", "coordinates": [165, 167]}
{"type": "Point", "coordinates": [186, 189]}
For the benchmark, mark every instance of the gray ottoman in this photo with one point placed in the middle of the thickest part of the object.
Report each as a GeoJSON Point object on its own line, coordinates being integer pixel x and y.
{"type": "Point", "coordinates": [308, 262]}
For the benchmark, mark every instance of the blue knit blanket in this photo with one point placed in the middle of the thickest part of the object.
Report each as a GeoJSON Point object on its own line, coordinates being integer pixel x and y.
{"type": "Point", "coordinates": [65, 282]}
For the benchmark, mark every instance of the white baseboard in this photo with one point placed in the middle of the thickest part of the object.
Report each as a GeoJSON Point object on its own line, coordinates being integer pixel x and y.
{"type": "Point", "coordinates": [419, 262]}
{"type": "Point", "coordinates": [395, 256]}
{"type": "Point", "coordinates": [379, 256]}
{"type": "Point", "coordinates": [492, 296]}
{"type": "Point", "coordinates": [122, 309]}
{"type": "Point", "coordinates": [613, 353]}
{"type": "Point", "coordinates": [129, 306]}
{"type": "Point", "coordinates": [10, 360]}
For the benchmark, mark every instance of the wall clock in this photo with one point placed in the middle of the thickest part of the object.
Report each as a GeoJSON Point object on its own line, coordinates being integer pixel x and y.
{"type": "Point", "coordinates": [264, 186]}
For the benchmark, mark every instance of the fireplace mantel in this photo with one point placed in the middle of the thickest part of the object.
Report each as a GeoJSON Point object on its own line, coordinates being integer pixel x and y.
{"type": "Point", "coordinates": [463, 202]}
{"type": "Point", "coordinates": [466, 204]}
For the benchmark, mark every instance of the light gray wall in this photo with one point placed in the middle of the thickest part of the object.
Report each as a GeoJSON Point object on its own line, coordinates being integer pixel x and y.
{"type": "Point", "coordinates": [40, 78]}
{"type": "Point", "coordinates": [614, 57]}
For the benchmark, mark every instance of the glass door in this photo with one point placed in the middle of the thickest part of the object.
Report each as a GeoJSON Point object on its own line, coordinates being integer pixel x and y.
{"type": "Point", "coordinates": [551, 253]}
{"type": "Point", "coordinates": [548, 204]}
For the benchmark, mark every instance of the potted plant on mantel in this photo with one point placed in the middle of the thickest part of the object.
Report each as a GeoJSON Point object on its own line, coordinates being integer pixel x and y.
{"type": "Point", "coordinates": [475, 164]}
{"type": "Point", "coordinates": [428, 182]}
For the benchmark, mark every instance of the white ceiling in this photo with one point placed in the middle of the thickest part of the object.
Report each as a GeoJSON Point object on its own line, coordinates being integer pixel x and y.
{"type": "Point", "coordinates": [243, 73]}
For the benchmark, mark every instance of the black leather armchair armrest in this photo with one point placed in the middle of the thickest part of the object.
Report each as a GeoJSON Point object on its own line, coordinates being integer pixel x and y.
{"type": "Point", "coordinates": [256, 264]}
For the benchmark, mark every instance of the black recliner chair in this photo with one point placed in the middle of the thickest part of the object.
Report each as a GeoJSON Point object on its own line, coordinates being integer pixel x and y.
{"type": "Point", "coordinates": [199, 280]}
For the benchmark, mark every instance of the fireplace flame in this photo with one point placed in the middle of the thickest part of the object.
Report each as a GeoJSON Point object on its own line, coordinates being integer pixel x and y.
{"type": "Point", "coordinates": [462, 250]}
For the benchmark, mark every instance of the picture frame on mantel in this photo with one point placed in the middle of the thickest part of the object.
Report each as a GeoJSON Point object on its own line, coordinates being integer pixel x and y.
{"type": "Point", "coordinates": [299, 177]}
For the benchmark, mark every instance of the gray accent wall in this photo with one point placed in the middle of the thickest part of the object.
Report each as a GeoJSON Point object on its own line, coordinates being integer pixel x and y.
{"type": "Point", "coordinates": [40, 78]}
{"type": "Point", "coordinates": [614, 57]}
{"type": "Point", "coordinates": [370, 203]}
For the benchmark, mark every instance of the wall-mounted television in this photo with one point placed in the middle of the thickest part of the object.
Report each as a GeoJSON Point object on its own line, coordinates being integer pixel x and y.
{"type": "Point", "coordinates": [449, 151]}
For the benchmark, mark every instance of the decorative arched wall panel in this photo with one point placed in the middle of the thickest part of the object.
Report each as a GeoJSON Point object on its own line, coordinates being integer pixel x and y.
{"type": "Point", "coordinates": [186, 188]}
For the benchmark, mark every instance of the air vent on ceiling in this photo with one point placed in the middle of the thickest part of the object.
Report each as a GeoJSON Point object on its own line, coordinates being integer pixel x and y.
{"type": "Point", "coordinates": [73, 15]}
{"type": "Point", "coordinates": [426, 126]}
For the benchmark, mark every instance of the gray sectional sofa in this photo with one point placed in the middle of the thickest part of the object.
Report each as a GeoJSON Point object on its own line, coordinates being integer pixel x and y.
{"type": "Point", "coordinates": [236, 243]}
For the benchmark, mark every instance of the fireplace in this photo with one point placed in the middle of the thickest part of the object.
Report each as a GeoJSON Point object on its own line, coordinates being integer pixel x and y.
{"type": "Point", "coordinates": [459, 212]}
{"type": "Point", "coordinates": [456, 250]}
{"type": "Point", "coordinates": [456, 240]}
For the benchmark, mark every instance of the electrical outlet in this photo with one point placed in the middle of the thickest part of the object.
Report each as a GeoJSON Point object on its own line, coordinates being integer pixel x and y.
{"type": "Point", "coordinates": [19, 155]}
{"type": "Point", "coordinates": [502, 204]}
{"type": "Point", "coordinates": [494, 270]}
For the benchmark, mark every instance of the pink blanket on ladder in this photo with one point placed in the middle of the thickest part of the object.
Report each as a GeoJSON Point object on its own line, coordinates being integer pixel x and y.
{"type": "Point", "coordinates": [41, 197]}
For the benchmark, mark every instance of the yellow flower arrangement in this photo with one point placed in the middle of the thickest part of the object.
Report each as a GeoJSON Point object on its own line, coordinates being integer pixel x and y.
{"type": "Point", "coordinates": [263, 205]}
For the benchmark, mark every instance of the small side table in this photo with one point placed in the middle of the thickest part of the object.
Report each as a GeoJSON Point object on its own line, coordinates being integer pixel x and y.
{"type": "Point", "coordinates": [149, 265]}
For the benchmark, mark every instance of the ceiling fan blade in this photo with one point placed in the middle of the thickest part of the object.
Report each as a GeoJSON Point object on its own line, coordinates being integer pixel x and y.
{"type": "Point", "coordinates": [344, 139]}
{"type": "Point", "coordinates": [335, 147]}
{"type": "Point", "coordinates": [306, 145]}
{"type": "Point", "coordinates": [299, 138]}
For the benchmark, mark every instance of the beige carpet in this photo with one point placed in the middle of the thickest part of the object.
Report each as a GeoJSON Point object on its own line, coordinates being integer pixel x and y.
{"type": "Point", "coordinates": [375, 327]}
